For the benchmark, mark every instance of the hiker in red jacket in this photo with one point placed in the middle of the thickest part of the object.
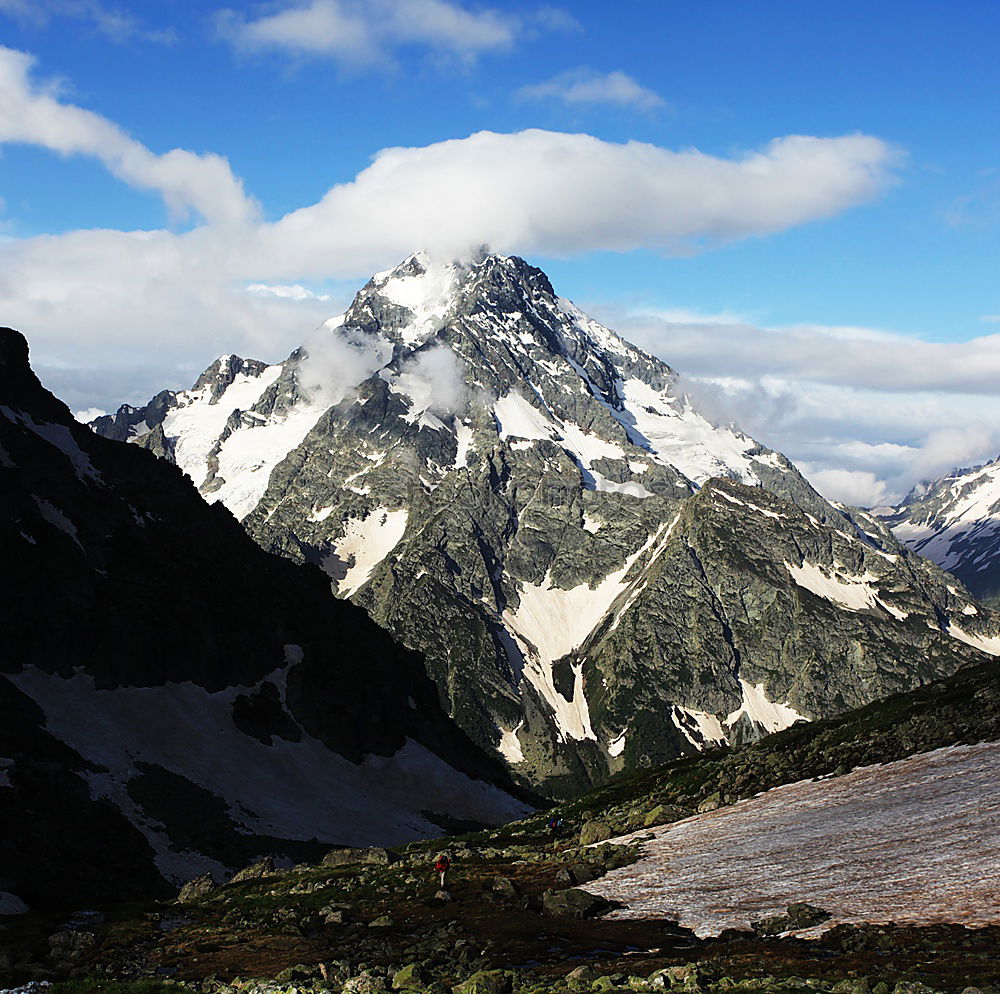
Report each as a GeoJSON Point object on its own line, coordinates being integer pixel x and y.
{"type": "Point", "coordinates": [441, 866]}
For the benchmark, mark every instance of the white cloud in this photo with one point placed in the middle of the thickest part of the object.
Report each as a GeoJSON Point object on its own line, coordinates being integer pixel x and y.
{"type": "Point", "coordinates": [863, 412]}
{"type": "Point", "coordinates": [990, 318]}
{"type": "Point", "coordinates": [584, 86]}
{"type": "Point", "coordinates": [559, 194]}
{"type": "Point", "coordinates": [556, 19]}
{"type": "Point", "coordinates": [434, 380]}
{"type": "Point", "coordinates": [106, 296]}
{"type": "Point", "coordinates": [88, 415]}
{"type": "Point", "coordinates": [848, 356]}
{"type": "Point", "coordinates": [955, 447]}
{"type": "Point", "coordinates": [294, 292]}
{"type": "Point", "coordinates": [855, 487]}
{"type": "Point", "coordinates": [153, 307]}
{"type": "Point", "coordinates": [335, 363]}
{"type": "Point", "coordinates": [360, 33]}
{"type": "Point", "coordinates": [32, 113]}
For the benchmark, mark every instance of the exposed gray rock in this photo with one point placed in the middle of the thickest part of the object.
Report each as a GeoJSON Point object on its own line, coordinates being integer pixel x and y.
{"type": "Point", "coordinates": [71, 946]}
{"type": "Point", "coordinates": [486, 982]}
{"type": "Point", "coordinates": [263, 868]}
{"type": "Point", "coordinates": [197, 888]}
{"type": "Point", "coordinates": [574, 903]}
{"type": "Point", "coordinates": [615, 580]}
{"type": "Point", "coordinates": [504, 887]}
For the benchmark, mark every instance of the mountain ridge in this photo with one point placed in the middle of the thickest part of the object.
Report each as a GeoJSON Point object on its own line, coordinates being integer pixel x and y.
{"type": "Point", "coordinates": [955, 521]}
{"type": "Point", "coordinates": [511, 468]}
{"type": "Point", "coordinates": [178, 700]}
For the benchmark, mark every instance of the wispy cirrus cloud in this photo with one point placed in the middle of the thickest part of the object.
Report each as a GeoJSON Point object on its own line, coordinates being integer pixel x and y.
{"type": "Point", "coordinates": [580, 87]}
{"type": "Point", "coordinates": [112, 22]}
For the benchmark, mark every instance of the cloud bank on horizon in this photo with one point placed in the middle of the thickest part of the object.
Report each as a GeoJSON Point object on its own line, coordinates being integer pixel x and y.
{"type": "Point", "coordinates": [864, 413]}
{"type": "Point", "coordinates": [229, 282]}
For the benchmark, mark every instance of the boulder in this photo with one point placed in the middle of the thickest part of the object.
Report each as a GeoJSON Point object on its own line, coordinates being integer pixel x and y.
{"type": "Point", "coordinates": [595, 831]}
{"type": "Point", "coordinates": [366, 983]}
{"type": "Point", "coordinates": [804, 915]}
{"type": "Point", "coordinates": [504, 887]}
{"type": "Point", "coordinates": [196, 888]}
{"type": "Point", "coordinates": [798, 915]}
{"type": "Point", "coordinates": [299, 972]}
{"type": "Point", "coordinates": [380, 856]}
{"type": "Point", "coordinates": [343, 857]}
{"type": "Point", "coordinates": [333, 916]}
{"type": "Point", "coordinates": [582, 976]}
{"type": "Point", "coordinates": [256, 871]}
{"type": "Point", "coordinates": [574, 903]}
{"type": "Point", "coordinates": [354, 857]}
{"type": "Point", "coordinates": [664, 814]}
{"type": "Point", "coordinates": [578, 873]}
{"type": "Point", "coordinates": [411, 976]}
{"type": "Point", "coordinates": [672, 976]}
{"type": "Point", "coordinates": [773, 925]}
{"type": "Point", "coordinates": [485, 982]}
{"type": "Point", "coordinates": [71, 946]}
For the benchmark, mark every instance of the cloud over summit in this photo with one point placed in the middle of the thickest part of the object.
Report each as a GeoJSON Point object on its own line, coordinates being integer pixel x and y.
{"type": "Point", "coordinates": [113, 299]}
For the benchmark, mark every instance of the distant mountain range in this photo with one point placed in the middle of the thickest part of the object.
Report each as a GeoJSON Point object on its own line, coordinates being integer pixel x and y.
{"type": "Point", "coordinates": [177, 700]}
{"type": "Point", "coordinates": [955, 521]}
{"type": "Point", "coordinates": [598, 575]}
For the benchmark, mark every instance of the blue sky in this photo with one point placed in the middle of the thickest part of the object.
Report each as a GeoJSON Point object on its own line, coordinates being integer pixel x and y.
{"type": "Point", "coordinates": [296, 112]}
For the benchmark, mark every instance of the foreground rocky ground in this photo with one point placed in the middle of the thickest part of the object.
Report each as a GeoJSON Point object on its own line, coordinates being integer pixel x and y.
{"type": "Point", "coordinates": [508, 923]}
{"type": "Point", "coordinates": [519, 914]}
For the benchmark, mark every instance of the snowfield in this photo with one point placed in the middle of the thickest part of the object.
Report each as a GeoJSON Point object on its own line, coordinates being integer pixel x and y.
{"type": "Point", "coordinates": [916, 842]}
{"type": "Point", "coordinates": [293, 790]}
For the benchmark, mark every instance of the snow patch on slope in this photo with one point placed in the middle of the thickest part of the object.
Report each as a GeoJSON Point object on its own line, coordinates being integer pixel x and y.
{"type": "Point", "coordinates": [248, 457]}
{"type": "Point", "coordinates": [912, 842]}
{"type": "Point", "coordinates": [684, 439]}
{"type": "Point", "coordinates": [59, 436]}
{"type": "Point", "coordinates": [463, 443]}
{"type": "Point", "coordinates": [771, 716]}
{"type": "Point", "coordinates": [11, 904]}
{"type": "Point", "coordinates": [617, 746]}
{"type": "Point", "coordinates": [293, 790]}
{"type": "Point", "coordinates": [428, 294]}
{"type": "Point", "coordinates": [853, 592]}
{"type": "Point", "coordinates": [196, 423]}
{"type": "Point", "coordinates": [698, 727]}
{"type": "Point", "coordinates": [517, 418]}
{"type": "Point", "coordinates": [510, 747]}
{"type": "Point", "coordinates": [987, 644]}
{"type": "Point", "coordinates": [550, 622]}
{"type": "Point", "coordinates": [364, 544]}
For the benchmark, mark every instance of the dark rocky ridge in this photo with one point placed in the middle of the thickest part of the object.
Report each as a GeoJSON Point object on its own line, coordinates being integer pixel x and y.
{"type": "Point", "coordinates": [121, 580]}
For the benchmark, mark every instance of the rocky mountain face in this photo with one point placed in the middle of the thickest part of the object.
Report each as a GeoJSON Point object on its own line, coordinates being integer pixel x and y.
{"type": "Point", "coordinates": [955, 521]}
{"type": "Point", "coordinates": [175, 699]}
{"type": "Point", "coordinates": [598, 575]}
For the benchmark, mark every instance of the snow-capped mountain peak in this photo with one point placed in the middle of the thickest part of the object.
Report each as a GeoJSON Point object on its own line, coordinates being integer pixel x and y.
{"type": "Point", "coordinates": [955, 521]}
{"type": "Point", "coordinates": [613, 577]}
